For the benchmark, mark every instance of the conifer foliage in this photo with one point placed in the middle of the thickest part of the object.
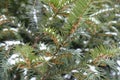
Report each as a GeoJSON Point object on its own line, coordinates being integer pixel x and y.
{"type": "Point", "coordinates": [59, 40]}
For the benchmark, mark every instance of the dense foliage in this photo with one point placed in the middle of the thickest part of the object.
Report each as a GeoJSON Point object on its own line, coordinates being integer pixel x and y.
{"type": "Point", "coordinates": [59, 39]}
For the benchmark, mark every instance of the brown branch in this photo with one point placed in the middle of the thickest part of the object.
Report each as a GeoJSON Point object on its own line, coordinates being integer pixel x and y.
{"type": "Point", "coordinates": [75, 25]}
{"type": "Point", "coordinates": [3, 21]}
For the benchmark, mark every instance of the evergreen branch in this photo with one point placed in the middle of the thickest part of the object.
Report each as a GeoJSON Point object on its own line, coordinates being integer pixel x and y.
{"type": "Point", "coordinates": [74, 27]}
{"type": "Point", "coordinates": [103, 53]}
{"type": "Point", "coordinates": [76, 23]}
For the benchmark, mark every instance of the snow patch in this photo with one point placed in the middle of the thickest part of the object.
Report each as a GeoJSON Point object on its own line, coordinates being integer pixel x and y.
{"type": "Point", "coordinates": [85, 42]}
{"type": "Point", "coordinates": [92, 68]}
{"type": "Point", "coordinates": [112, 22]}
{"type": "Point", "coordinates": [42, 46]}
{"type": "Point", "coordinates": [47, 58]}
{"type": "Point", "coordinates": [51, 18]}
{"type": "Point", "coordinates": [25, 71]}
{"type": "Point", "coordinates": [2, 44]}
{"type": "Point", "coordinates": [118, 62]}
{"type": "Point", "coordinates": [59, 17]}
{"type": "Point", "coordinates": [3, 17]}
{"type": "Point", "coordinates": [14, 29]}
{"type": "Point", "coordinates": [84, 73]}
{"type": "Point", "coordinates": [34, 15]}
{"type": "Point", "coordinates": [75, 71]}
{"type": "Point", "coordinates": [5, 29]}
{"type": "Point", "coordinates": [94, 20]}
{"type": "Point", "coordinates": [102, 11]}
{"type": "Point", "coordinates": [117, 15]}
{"type": "Point", "coordinates": [10, 43]}
{"type": "Point", "coordinates": [67, 76]}
{"type": "Point", "coordinates": [33, 78]}
{"type": "Point", "coordinates": [111, 33]}
{"type": "Point", "coordinates": [118, 68]}
{"type": "Point", "coordinates": [15, 58]}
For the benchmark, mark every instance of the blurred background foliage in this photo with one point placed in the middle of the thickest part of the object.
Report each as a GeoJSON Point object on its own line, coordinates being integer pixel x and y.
{"type": "Point", "coordinates": [60, 39]}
